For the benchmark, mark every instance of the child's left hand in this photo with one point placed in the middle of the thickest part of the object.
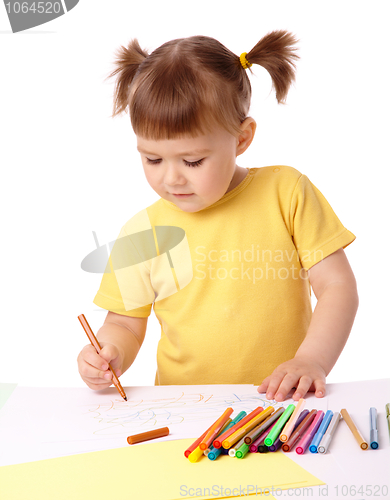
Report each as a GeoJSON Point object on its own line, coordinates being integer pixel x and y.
{"type": "Point", "coordinates": [299, 372]}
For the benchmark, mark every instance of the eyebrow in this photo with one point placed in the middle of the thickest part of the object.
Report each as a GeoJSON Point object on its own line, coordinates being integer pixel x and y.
{"type": "Point", "coordinates": [195, 152]}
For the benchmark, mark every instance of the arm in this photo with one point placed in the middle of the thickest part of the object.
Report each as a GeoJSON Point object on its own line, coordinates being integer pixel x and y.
{"type": "Point", "coordinates": [334, 285]}
{"type": "Point", "coordinates": [120, 338]}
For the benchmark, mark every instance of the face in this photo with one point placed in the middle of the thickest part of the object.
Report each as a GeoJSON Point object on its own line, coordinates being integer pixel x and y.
{"type": "Point", "coordinates": [192, 173]}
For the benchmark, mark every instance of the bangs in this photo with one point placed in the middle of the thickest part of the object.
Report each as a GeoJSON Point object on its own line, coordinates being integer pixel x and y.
{"type": "Point", "coordinates": [179, 99]}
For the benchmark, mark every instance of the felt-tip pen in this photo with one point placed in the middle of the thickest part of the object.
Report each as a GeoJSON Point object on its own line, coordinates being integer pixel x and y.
{"type": "Point", "coordinates": [307, 438]}
{"type": "Point", "coordinates": [321, 431]}
{"type": "Point", "coordinates": [325, 441]}
{"type": "Point", "coordinates": [374, 429]}
{"type": "Point", "coordinates": [355, 431]}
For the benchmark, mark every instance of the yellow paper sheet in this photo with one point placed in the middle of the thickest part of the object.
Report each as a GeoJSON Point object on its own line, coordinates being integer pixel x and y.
{"type": "Point", "coordinates": [157, 471]}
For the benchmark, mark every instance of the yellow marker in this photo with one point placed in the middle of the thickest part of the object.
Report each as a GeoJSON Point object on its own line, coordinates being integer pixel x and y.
{"type": "Point", "coordinates": [242, 431]}
{"type": "Point", "coordinates": [359, 438]}
{"type": "Point", "coordinates": [289, 427]}
{"type": "Point", "coordinates": [195, 455]}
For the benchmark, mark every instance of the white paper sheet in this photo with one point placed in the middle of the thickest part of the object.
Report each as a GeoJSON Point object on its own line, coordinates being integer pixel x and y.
{"type": "Point", "coordinates": [39, 423]}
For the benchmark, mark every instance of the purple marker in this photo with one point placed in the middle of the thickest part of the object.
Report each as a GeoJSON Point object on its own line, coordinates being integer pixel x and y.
{"type": "Point", "coordinates": [308, 437]}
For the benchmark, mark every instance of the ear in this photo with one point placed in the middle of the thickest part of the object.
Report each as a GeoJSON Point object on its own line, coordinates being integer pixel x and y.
{"type": "Point", "coordinates": [244, 139]}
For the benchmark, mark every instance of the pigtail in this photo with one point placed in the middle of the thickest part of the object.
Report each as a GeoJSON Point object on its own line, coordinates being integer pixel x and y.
{"type": "Point", "coordinates": [127, 63]}
{"type": "Point", "coordinates": [275, 52]}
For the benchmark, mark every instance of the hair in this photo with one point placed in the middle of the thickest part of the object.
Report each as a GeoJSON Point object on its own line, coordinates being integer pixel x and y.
{"type": "Point", "coordinates": [189, 85]}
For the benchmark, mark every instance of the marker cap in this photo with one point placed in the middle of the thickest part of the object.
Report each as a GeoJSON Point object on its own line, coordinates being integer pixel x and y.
{"type": "Point", "coordinates": [374, 439]}
{"type": "Point", "coordinates": [195, 455]}
{"type": "Point", "coordinates": [323, 448]}
{"type": "Point", "coordinates": [242, 451]}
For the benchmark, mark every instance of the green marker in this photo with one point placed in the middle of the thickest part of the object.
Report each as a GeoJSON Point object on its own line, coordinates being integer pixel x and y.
{"type": "Point", "coordinates": [242, 451]}
{"type": "Point", "coordinates": [277, 429]}
{"type": "Point", "coordinates": [388, 415]}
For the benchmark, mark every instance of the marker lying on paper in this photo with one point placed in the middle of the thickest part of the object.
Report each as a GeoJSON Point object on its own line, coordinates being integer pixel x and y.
{"type": "Point", "coordinates": [359, 438]}
{"type": "Point", "coordinates": [252, 436]}
{"type": "Point", "coordinates": [217, 443]}
{"type": "Point", "coordinates": [145, 436]}
{"type": "Point", "coordinates": [278, 443]}
{"type": "Point", "coordinates": [274, 434]}
{"type": "Point", "coordinates": [321, 431]}
{"type": "Point", "coordinates": [299, 431]}
{"type": "Point", "coordinates": [244, 430]}
{"type": "Point", "coordinates": [289, 427]}
{"type": "Point", "coordinates": [308, 437]}
{"type": "Point", "coordinates": [374, 429]}
{"type": "Point", "coordinates": [325, 441]}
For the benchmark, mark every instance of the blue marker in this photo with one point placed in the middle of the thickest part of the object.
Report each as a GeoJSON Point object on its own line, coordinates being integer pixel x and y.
{"type": "Point", "coordinates": [321, 431]}
{"type": "Point", "coordinates": [373, 429]}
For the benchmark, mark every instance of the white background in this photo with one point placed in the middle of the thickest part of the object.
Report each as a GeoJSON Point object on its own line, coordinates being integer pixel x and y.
{"type": "Point", "coordinates": [68, 168]}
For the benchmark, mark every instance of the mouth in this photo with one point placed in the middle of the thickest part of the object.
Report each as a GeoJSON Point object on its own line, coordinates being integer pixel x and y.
{"type": "Point", "coordinates": [182, 195]}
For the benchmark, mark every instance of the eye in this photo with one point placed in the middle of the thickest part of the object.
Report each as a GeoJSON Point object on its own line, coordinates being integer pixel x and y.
{"type": "Point", "coordinates": [153, 162]}
{"type": "Point", "coordinates": [193, 163]}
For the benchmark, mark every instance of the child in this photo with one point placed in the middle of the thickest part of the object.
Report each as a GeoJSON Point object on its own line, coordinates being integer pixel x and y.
{"type": "Point", "coordinates": [227, 255]}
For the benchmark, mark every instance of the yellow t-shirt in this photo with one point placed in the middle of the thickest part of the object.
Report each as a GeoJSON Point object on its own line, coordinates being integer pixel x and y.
{"type": "Point", "coordinates": [228, 284]}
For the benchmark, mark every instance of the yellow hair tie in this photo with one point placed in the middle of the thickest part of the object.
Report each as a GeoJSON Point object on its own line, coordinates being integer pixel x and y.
{"type": "Point", "coordinates": [244, 61]}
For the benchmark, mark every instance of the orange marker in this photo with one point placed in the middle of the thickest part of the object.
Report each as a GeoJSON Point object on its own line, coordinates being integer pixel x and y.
{"type": "Point", "coordinates": [95, 343]}
{"type": "Point", "coordinates": [289, 427]}
{"type": "Point", "coordinates": [355, 431]}
{"type": "Point", "coordinates": [214, 429]}
{"type": "Point", "coordinates": [218, 442]}
{"type": "Point", "coordinates": [195, 445]}
{"type": "Point", "coordinates": [145, 436]}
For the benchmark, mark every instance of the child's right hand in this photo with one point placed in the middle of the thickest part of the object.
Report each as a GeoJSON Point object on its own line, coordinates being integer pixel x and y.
{"type": "Point", "coordinates": [93, 367]}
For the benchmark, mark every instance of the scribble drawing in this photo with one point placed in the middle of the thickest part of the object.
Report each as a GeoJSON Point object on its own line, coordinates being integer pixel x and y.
{"type": "Point", "coordinates": [117, 417]}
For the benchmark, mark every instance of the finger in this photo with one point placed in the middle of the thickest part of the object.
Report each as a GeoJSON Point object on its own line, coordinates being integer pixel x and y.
{"type": "Point", "coordinates": [92, 366]}
{"type": "Point", "coordinates": [320, 388]}
{"type": "Point", "coordinates": [274, 382]}
{"type": "Point", "coordinates": [264, 385]}
{"type": "Point", "coordinates": [91, 372]}
{"type": "Point", "coordinates": [109, 353]}
{"type": "Point", "coordinates": [97, 384]}
{"type": "Point", "coordinates": [303, 387]}
{"type": "Point", "coordinates": [90, 356]}
{"type": "Point", "coordinates": [289, 381]}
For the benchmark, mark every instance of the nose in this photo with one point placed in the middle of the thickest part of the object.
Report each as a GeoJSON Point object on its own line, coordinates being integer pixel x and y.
{"type": "Point", "coordinates": [173, 176]}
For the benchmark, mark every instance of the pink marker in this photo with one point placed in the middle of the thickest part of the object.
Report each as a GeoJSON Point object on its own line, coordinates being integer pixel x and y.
{"type": "Point", "coordinates": [308, 437]}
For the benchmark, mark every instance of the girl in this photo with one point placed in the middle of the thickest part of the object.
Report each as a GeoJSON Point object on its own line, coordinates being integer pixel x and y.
{"type": "Point", "coordinates": [228, 255]}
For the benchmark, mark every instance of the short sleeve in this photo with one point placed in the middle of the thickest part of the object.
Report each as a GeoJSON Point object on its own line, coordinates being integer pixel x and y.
{"type": "Point", "coordinates": [126, 287]}
{"type": "Point", "coordinates": [316, 230]}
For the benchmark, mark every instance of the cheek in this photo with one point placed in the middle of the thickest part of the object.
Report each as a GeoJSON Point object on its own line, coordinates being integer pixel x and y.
{"type": "Point", "coordinates": [221, 174]}
{"type": "Point", "coordinates": [150, 177]}
{"type": "Point", "coordinates": [214, 184]}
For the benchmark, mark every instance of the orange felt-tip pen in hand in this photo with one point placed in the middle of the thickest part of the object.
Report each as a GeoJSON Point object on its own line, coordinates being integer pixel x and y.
{"type": "Point", "coordinates": [95, 343]}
